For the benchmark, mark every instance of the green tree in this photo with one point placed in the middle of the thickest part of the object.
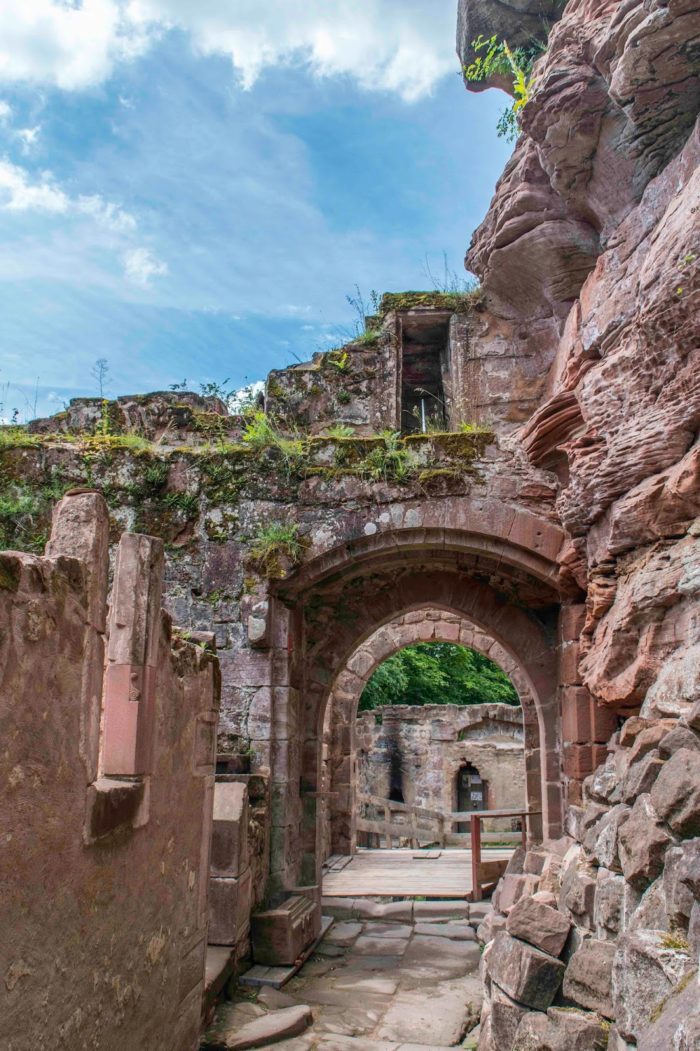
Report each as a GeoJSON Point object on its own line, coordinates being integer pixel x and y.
{"type": "Point", "coordinates": [437, 673]}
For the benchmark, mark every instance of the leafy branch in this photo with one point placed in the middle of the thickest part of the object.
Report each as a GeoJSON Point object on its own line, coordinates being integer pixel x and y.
{"type": "Point", "coordinates": [495, 57]}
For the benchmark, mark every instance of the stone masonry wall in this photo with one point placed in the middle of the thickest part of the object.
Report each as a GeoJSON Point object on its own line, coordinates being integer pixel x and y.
{"type": "Point", "coordinates": [104, 878]}
{"type": "Point", "coordinates": [429, 744]}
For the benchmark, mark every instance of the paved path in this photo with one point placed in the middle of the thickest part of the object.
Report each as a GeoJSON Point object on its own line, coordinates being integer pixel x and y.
{"type": "Point", "coordinates": [378, 985]}
{"type": "Point", "coordinates": [406, 873]}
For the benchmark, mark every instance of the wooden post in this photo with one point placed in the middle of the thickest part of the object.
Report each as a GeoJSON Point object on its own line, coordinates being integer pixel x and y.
{"type": "Point", "coordinates": [475, 823]}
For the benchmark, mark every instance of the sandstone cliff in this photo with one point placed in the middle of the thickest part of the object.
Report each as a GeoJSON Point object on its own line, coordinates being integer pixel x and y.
{"type": "Point", "coordinates": [592, 236]}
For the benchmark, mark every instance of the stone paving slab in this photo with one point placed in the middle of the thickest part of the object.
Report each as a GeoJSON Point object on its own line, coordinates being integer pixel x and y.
{"type": "Point", "coordinates": [393, 987]}
{"type": "Point", "coordinates": [343, 933]}
{"type": "Point", "coordinates": [437, 1016]}
{"type": "Point", "coordinates": [380, 946]}
{"type": "Point", "coordinates": [460, 931]}
{"type": "Point", "coordinates": [390, 930]}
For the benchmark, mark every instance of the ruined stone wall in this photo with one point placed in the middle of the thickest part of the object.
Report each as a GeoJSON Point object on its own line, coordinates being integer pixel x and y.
{"type": "Point", "coordinates": [104, 878]}
{"type": "Point", "coordinates": [592, 237]}
{"type": "Point", "coordinates": [429, 744]}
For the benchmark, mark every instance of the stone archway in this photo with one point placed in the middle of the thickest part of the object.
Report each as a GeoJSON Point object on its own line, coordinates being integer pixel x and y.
{"type": "Point", "coordinates": [336, 601]}
{"type": "Point", "coordinates": [339, 744]}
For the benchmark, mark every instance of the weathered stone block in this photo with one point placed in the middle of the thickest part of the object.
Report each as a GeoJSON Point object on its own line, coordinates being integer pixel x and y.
{"type": "Point", "coordinates": [577, 896]}
{"type": "Point", "coordinates": [602, 838]}
{"type": "Point", "coordinates": [229, 847]}
{"type": "Point", "coordinates": [229, 908]}
{"type": "Point", "coordinates": [676, 793]}
{"type": "Point", "coordinates": [651, 913]}
{"type": "Point", "coordinates": [679, 737]}
{"type": "Point", "coordinates": [681, 879]}
{"type": "Point", "coordinates": [643, 842]}
{"type": "Point", "coordinates": [645, 970]}
{"type": "Point", "coordinates": [506, 1016]}
{"type": "Point", "coordinates": [511, 889]}
{"type": "Point", "coordinates": [677, 1026]}
{"type": "Point", "coordinates": [528, 975]}
{"type": "Point", "coordinates": [561, 1029]}
{"type": "Point", "coordinates": [588, 976]}
{"type": "Point", "coordinates": [641, 776]}
{"type": "Point", "coordinates": [538, 924]}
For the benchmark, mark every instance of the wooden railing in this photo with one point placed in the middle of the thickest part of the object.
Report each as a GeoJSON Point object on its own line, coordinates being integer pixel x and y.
{"type": "Point", "coordinates": [399, 821]}
{"type": "Point", "coordinates": [423, 827]}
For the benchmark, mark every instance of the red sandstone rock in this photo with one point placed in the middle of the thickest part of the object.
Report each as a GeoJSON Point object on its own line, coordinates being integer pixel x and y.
{"type": "Point", "coordinates": [676, 793]}
{"type": "Point", "coordinates": [644, 972]}
{"type": "Point", "coordinates": [528, 975]}
{"type": "Point", "coordinates": [643, 842]}
{"type": "Point", "coordinates": [538, 924]}
{"type": "Point", "coordinates": [588, 976]}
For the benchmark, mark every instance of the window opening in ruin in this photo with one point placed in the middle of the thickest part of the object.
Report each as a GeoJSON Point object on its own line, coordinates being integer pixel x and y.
{"type": "Point", "coordinates": [424, 367]}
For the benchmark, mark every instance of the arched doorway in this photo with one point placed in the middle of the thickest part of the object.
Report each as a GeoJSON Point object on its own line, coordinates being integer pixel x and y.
{"type": "Point", "coordinates": [506, 590]}
{"type": "Point", "coordinates": [454, 744]}
{"type": "Point", "coordinates": [471, 792]}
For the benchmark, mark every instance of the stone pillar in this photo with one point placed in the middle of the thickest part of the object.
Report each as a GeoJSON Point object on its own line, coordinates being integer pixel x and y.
{"type": "Point", "coordinates": [132, 656]}
{"type": "Point", "coordinates": [80, 529]}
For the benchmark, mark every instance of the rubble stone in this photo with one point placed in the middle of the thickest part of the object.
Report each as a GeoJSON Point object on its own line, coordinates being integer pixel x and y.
{"type": "Point", "coordinates": [528, 975]}
{"type": "Point", "coordinates": [676, 793]}
{"type": "Point", "coordinates": [538, 924]}
{"type": "Point", "coordinates": [643, 842]}
{"type": "Point", "coordinates": [588, 976]}
{"type": "Point", "coordinates": [646, 969]}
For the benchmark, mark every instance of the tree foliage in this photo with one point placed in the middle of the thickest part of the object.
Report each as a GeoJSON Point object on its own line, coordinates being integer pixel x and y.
{"type": "Point", "coordinates": [437, 673]}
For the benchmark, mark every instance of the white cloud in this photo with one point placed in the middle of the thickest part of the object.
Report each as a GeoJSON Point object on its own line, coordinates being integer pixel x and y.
{"type": "Point", "coordinates": [19, 194]}
{"type": "Point", "coordinates": [28, 137]}
{"type": "Point", "coordinates": [140, 266]}
{"type": "Point", "coordinates": [5, 111]}
{"type": "Point", "coordinates": [402, 46]}
{"type": "Point", "coordinates": [106, 214]}
{"type": "Point", "coordinates": [70, 45]}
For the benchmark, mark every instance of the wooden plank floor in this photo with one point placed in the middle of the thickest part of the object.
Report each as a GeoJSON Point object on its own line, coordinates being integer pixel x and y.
{"type": "Point", "coordinates": [399, 873]}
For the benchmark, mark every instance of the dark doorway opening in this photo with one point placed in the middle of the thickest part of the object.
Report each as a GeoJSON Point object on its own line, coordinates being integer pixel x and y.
{"type": "Point", "coordinates": [471, 792]}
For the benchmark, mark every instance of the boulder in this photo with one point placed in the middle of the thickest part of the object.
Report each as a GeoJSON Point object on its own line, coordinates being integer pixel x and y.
{"type": "Point", "coordinates": [680, 737]}
{"type": "Point", "coordinates": [587, 981]}
{"type": "Point", "coordinates": [676, 793]}
{"type": "Point", "coordinates": [604, 786]}
{"type": "Point", "coordinates": [615, 901]}
{"type": "Point", "coordinates": [648, 965]}
{"type": "Point", "coordinates": [648, 739]}
{"type": "Point", "coordinates": [527, 974]}
{"type": "Point", "coordinates": [577, 896]}
{"type": "Point", "coordinates": [681, 874]}
{"type": "Point", "coordinates": [538, 924]}
{"type": "Point", "coordinates": [651, 913]}
{"type": "Point", "coordinates": [677, 1022]}
{"type": "Point", "coordinates": [266, 1030]}
{"type": "Point", "coordinates": [602, 838]}
{"type": "Point", "coordinates": [506, 1016]}
{"type": "Point", "coordinates": [643, 842]}
{"type": "Point", "coordinates": [561, 1029]}
{"type": "Point", "coordinates": [511, 889]}
{"type": "Point", "coordinates": [641, 776]}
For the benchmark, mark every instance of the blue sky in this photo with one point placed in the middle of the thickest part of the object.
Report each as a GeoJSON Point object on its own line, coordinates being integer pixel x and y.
{"type": "Point", "coordinates": [193, 192]}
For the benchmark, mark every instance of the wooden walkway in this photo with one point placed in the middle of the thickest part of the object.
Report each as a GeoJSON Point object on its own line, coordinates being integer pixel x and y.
{"type": "Point", "coordinates": [405, 873]}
